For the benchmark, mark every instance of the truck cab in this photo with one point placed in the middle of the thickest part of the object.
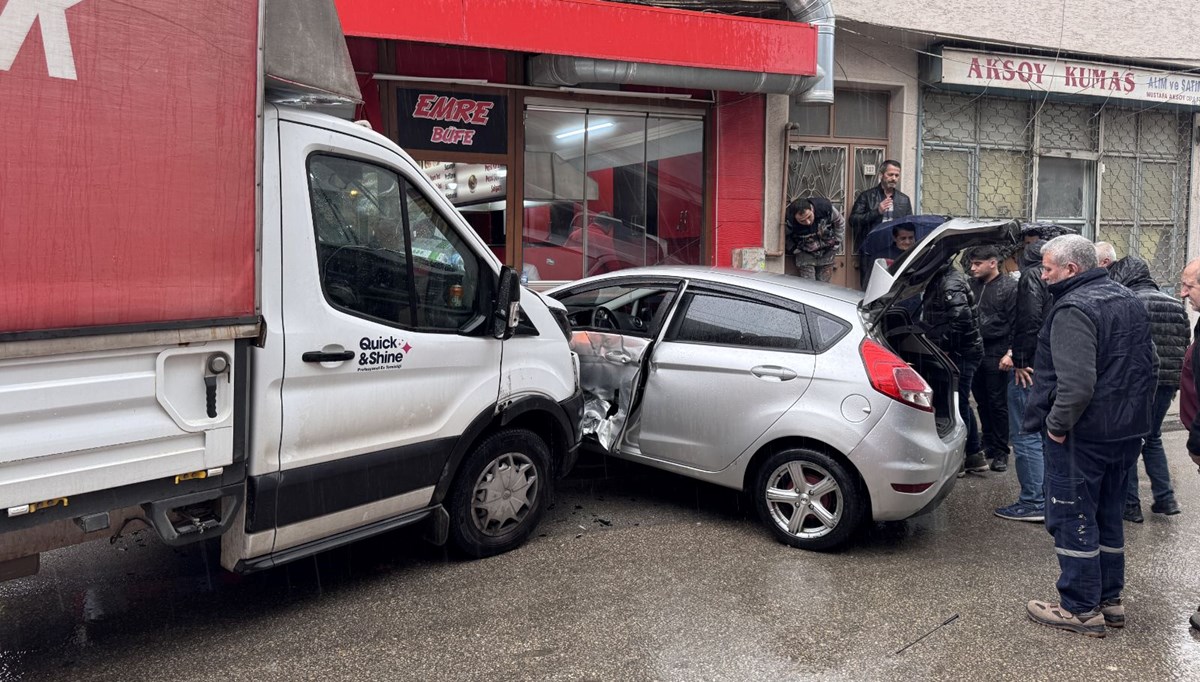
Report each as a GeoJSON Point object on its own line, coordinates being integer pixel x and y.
{"type": "Point", "coordinates": [394, 373]}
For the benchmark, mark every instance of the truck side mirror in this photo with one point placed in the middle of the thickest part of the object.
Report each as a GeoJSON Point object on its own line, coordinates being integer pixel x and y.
{"type": "Point", "coordinates": [507, 312]}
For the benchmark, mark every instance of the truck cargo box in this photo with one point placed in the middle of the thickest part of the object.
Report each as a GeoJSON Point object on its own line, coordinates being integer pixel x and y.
{"type": "Point", "coordinates": [127, 163]}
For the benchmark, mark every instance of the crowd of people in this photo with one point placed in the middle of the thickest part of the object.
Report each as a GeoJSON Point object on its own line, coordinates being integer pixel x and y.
{"type": "Point", "coordinates": [1073, 359]}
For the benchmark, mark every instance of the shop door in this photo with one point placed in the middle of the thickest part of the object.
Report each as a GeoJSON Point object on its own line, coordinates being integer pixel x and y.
{"type": "Point", "coordinates": [825, 170]}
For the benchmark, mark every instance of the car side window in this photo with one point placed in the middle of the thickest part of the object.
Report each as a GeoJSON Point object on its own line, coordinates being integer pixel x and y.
{"type": "Point", "coordinates": [384, 253]}
{"type": "Point", "coordinates": [826, 329]}
{"type": "Point", "coordinates": [634, 309]}
{"type": "Point", "coordinates": [731, 321]}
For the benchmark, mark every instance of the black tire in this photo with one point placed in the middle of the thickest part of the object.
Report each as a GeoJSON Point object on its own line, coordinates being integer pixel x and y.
{"type": "Point", "coordinates": [827, 518]}
{"type": "Point", "coordinates": [501, 464]}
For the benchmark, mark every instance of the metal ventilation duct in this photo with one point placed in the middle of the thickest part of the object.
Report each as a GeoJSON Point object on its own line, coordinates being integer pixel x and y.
{"type": "Point", "coordinates": [560, 70]}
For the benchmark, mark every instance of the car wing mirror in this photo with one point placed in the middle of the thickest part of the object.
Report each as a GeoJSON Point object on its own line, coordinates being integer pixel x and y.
{"type": "Point", "coordinates": [506, 313]}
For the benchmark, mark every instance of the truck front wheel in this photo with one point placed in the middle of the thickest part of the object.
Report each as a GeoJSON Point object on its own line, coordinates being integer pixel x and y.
{"type": "Point", "coordinates": [500, 493]}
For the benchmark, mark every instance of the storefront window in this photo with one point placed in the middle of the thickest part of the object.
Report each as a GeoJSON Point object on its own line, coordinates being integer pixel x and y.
{"type": "Point", "coordinates": [607, 191]}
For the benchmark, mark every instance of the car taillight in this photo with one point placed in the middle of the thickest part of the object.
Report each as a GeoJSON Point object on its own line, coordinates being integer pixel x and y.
{"type": "Point", "coordinates": [893, 377]}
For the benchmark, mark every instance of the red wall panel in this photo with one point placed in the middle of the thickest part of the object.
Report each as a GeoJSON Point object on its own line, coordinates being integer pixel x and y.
{"type": "Point", "coordinates": [127, 191]}
{"type": "Point", "coordinates": [592, 28]}
{"type": "Point", "coordinates": [741, 124]}
{"type": "Point", "coordinates": [422, 60]}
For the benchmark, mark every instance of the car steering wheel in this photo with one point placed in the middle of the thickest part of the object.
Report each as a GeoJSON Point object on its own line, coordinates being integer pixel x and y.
{"type": "Point", "coordinates": [602, 318]}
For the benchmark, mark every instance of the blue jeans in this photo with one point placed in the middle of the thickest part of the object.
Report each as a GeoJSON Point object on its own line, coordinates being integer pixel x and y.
{"type": "Point", "coordinates": [1154, 458]}
{"type": "Point", "coordinates": [1085, 483]}
{"type": "Point", "coordinates": [966, 376]}
{"type": "Point", "coordinates": [1027, 448]}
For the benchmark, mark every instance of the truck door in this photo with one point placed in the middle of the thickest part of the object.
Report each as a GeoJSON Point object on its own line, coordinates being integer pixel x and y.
{"type": "Point", "coordinates": [385, 365]}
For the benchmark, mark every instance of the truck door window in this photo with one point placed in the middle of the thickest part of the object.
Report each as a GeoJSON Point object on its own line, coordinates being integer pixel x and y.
{"type": "Point", "coordinates": [445, 271]}
{"type": "Point", "coordinates": [384, 253]}
{"type": "Point", "coordinates": [362, 244]}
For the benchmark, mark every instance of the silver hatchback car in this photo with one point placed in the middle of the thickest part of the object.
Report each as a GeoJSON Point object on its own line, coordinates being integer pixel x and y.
{"type": "Point", "coordinates": [827, 406]}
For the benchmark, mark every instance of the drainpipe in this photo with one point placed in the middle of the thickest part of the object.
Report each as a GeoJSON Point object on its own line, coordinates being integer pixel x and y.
{"type": "Point", "coordinates": [819, 13]}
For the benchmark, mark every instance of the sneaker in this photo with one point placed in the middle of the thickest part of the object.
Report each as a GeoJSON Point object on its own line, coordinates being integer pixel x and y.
{"type": "Point", "coordinates": [1168, 508]}
{"type": "Point", "coordinates": [1055, 616]}
{"type": "Point", "coordinates": [999, 464]}
{"type": "Point", "coordinates": [975, 463]}
{"type": "Point", "coordinates": [1113, 612]}
{"type": "Point", "coordinates": [1022, 512]}
{"type": "Point", "coordinates": [1133, 513]}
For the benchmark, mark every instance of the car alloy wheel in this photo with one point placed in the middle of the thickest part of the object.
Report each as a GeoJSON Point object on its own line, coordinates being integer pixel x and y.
{"type": "Point", "coordinates": [804, 499]}
{"type": "Point", "coordinates": [809, 499]}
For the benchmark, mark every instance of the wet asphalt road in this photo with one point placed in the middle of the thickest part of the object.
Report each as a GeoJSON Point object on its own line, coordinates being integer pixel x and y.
{"type": "Point", "coordinates": [635, 575]}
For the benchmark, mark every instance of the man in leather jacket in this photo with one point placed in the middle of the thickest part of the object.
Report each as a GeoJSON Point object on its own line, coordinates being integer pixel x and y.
{"type": "Point", "coordinates": [996, 295]}
{"type": "Point", "coordinates": [950, 319]}
{"type": "Point", "coordinates": [881, 203]}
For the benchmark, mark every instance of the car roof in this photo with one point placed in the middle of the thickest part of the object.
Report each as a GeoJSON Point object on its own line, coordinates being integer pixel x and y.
{"type": "Point", "coordinates": [786, 286]}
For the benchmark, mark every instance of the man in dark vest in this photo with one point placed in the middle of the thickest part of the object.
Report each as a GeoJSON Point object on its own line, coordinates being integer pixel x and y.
{"type": "Point", "coordinates": [814, 233]}
{"type": "Point", "coordinates": [1093, 389]}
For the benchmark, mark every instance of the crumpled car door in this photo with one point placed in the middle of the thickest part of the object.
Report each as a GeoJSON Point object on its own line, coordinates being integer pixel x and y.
{"type": "Point", "coordinates": [610, 366]}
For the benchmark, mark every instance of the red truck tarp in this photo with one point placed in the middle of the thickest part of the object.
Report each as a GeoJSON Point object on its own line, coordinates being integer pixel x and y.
{"type": "Point", "coordinates": [127, 162]}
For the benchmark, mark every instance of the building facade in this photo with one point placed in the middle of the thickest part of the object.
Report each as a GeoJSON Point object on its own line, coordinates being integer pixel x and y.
{"type": "Point", "coordinates": [1086, 123]}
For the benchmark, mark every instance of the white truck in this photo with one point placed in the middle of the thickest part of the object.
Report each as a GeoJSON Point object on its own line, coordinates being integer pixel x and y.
{"type": "Point", "coordinates": [225, 312]}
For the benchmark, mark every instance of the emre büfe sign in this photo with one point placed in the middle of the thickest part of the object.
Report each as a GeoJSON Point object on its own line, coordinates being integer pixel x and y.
{"type": "Point", "coordinates": [452, 121]}
{"type": "Point", "coordinates": [1067, 77]}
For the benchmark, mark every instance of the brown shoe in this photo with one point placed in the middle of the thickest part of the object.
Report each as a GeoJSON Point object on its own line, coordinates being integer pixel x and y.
{"type": "Point", "coordinates": [1113, 612]}
{"type": "Point", "coordinates": [1055, 616]}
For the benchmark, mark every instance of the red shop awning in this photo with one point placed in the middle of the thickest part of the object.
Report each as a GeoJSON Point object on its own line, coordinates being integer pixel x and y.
{"type": "Point", "coordinates": [592, 28]}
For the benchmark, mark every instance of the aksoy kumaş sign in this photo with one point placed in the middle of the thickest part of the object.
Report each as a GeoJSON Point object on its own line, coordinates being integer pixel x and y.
{"type": "Point", "coordinates": [1068, 77]}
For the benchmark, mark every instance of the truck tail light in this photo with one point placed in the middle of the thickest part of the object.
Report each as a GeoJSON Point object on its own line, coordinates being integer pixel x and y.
{"type": "Point", "coordinates": [893, 377]}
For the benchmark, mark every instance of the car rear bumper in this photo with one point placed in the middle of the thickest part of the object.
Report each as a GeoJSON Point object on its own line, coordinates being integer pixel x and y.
{"type": "Point", "coordinates": [904, 449]}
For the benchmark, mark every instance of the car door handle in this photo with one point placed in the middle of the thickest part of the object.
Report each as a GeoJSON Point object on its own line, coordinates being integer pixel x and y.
{"type": "Point", "coordinates": [619, 357]}
{"type": "Point", "coordinates": [322, 356]}
{"type": "Point", "coordinates": [774, 373]}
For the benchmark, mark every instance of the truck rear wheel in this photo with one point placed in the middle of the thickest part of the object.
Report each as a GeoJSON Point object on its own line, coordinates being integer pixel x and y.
{"type": "Point", "coordinates": [500, 493]}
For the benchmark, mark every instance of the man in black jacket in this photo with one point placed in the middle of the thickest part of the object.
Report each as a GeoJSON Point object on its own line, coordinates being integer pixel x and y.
{"type": "Point", "coordinates": [949, 317]}
{"type": "Point", "coordinates": [1171, 332]}
{"type": "Point", "coordinates": [996, 295]}
{"type": "Point", "coordinates": [1033, 302]}
{"type": "Point", "coordinates": [1093, 387]}
{"type": "Point", "coordinates": [881, 203]}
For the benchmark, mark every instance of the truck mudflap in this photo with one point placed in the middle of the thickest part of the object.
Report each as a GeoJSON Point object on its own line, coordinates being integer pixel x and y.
{"type": "Point", "coordinates": [196, 516]}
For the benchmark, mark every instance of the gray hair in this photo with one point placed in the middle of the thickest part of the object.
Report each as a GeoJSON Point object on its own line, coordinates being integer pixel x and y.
{"type": "Point", "coordinates": [1071, 248]}
{"type": "Point", "coordinates": [1105, 250]}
